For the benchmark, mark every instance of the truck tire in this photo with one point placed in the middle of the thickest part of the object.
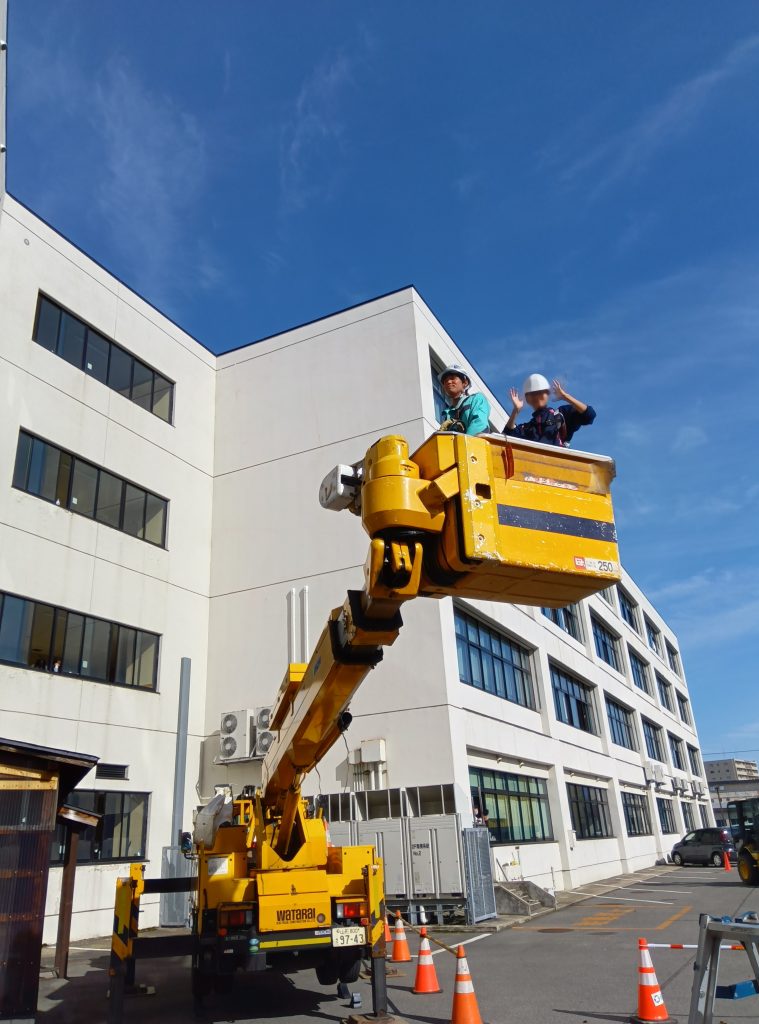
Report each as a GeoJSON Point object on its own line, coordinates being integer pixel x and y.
{"type": "Point", "coordinates": [748, 869]}
{"type": "Point", "coordinates": [327, 973]}
{"type": "Point", "coordinates": [350, 971]}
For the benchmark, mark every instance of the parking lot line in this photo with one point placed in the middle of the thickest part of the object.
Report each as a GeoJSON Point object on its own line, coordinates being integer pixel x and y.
{"type": "Point", "coordinates": [671, 920]}
{"type": "Point", "coordinates": [475, 938]}
{"type": "Point", "coordinates": [677, 892]}
{"type": "Point", "coordinates": [601, 896]}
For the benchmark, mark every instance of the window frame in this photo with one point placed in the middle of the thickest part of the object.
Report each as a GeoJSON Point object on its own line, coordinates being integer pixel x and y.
{"type": "Point", "coordinates": [683, 708]}
{"type": "Point", "coordinates": [59, 613]}
{"type": "Point", "coordinates": [695, 761]}
{"type": "Point", "coordinates": [626, 604]}
{"type": "Point", "coordinates": [664, 686]}
{"type": "Point", "coordinates": [522, 673]}
{"type": "Point", "coordinates": [438, 395]}
{"type": "Point", "coordinates": [656, 731]}
{"type": "Point", "coordinates": [100, 800]}
{"type": "Point", "coordinates": [570, 701]}
{"type": "Point", "coordinates": [524, 790]}
{"type": "Point", "coordinates": [653, 631]}
{"type": "Point", "coordinates": [581, 812]}
{"type": "Point", "coordinates": [598, 626]}
{"type": "Point", "coordinates": [666, 809]}
{"type": "Point", "coordinates": [78, 464]}
{"type": "Point", "coordinates": [640, 667]}
{"type": "Point", "coordinates": [636, 812]}
{"type": "Point", "coordinates": [43, 296]}
{"type": "Point", "coordinates": [673, 658]}
{"type": "Point", "coordinates": [676, 750]}
{"type": "Point", "coordinates": [569, 614]}
{"type": "Point", "coordinates": [625, 723]}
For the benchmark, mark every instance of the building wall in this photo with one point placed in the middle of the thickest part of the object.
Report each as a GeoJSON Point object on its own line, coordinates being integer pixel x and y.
{"type": "Point", "coordinates": [730, 769]}
{"type": "Point", "coordinates": [254, 433]}
{"type": "Point", "coordinates": [50, 554]}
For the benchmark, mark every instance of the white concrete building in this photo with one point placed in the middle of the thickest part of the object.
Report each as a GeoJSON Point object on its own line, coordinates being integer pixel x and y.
{"type": "Point", "coordinates": [730, 769]}
{"type": "Point", "coordinates": [155, 504]}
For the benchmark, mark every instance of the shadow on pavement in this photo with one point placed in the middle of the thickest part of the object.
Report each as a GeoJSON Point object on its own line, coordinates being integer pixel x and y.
{"type": "Point", "coordinates": [585, 1015]}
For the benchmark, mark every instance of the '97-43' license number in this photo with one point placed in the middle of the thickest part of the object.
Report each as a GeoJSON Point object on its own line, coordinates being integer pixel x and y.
{"type": "Point", "coordinates": [353, 936]}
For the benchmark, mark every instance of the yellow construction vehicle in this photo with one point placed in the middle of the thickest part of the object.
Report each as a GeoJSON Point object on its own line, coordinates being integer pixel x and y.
{"type": "Point", "coordinates": [744, 825]}
{"type": "Point", "coordinates": [480, 517]}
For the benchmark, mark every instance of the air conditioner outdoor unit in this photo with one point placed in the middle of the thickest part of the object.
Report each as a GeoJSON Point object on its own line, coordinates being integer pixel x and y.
{"type": "Point", "coordinates": [264, 737]}
{"type": "Point", "coordinates": [236, 735]}
{"type": "Point", "coordinates": [659, 774]}
{"type": "Point", "coordinates": [649, 772]}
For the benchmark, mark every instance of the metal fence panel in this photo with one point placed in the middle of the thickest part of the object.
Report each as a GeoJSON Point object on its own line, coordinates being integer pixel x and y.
{"type": "Point", "coordinates": [174, 909]}
{"type": "Point", "coordinates": [479, 874]}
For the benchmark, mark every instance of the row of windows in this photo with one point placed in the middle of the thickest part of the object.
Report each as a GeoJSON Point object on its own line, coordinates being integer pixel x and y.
{"type": "Point", "coordinates": [73, 340]}
{"type": "Point", "coordinates": [73, 483]}
{"type": "Point", "coordinates": [589, 811]}
{"type": "Point", "coordinates": [121, 833]}
{"type": "Point", "coordinates": [606, 645]}
{"type": "Point", "coordinates": [489, 661]}
{"type": "Point", "coordinates": [630, 612]}
{"type": "Point", "coordinates": [57, 640]}
{"type": "Point", "coordinates": [516, 805]}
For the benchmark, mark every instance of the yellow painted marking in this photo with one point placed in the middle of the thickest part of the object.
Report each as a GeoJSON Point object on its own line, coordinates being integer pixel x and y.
{"type": "Point", "coordinates": [671, 920]}
{"type": "Point", "coordinates": [604, 917]}
{"type": "Point", "coordinates": [278, 943]}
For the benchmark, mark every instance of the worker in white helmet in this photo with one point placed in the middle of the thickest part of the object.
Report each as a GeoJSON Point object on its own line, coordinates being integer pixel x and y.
{"type": "Point", "coordinates": [465, 411]}
{"type": "Point", "coordinates": [546, 424]}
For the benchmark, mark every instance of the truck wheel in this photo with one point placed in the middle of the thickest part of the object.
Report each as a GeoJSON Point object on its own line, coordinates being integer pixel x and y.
{"type": "Point", "coordinates": [327, 973]}
{"type": "Point", "coordinates": [748, 870]}
{"type": "Point", "coordinates": [349, 972]}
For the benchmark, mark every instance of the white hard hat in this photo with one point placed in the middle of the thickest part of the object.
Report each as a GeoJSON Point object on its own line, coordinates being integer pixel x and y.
{"type": "Point", "coordinates": [535, 382]}
{"type": "Point", "coordinates": [454, 370]}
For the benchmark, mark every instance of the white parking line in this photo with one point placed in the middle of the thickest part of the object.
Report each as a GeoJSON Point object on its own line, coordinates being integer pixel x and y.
{"type": "Point", "coordinates": [621, 899]}
{"type": "Point", "coordinates": [656, 888]}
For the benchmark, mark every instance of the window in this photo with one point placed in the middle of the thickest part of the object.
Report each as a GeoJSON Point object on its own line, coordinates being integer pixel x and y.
{"type": "Point", "coordinates": [673, 658]}
{"type": "Point", "coordinates": [621, 725]}
{"type": "Point", "coordinates": [606, 644]}
{"type": "Point", "coordinates": [517, 805]}
{"type": "Point", "coordinates": [66, 480]}
{"type": "Point", "coordinates": [567, 619]}
{"type": "Point", "coordinates": [665, 693]}
{"type": "Point", "coordinates": [437, 390]}
{"type": "Point", "coordinates": [69, 337]}
{"type": "Point", "coordinates": [637, 817]}
{"type": "Point", "coordinates": [688, 817]}
{"type": "Point", "coordinates": [653, 636]}
{"type": "Point", "coordinates": [666, 815]}
{"type": "Point", "coordinates": [573, 701]}
{"type": "Point", "coordinates": [57, 640]}
{"type": "Point", "coordinates": [704, 815]}
{"type": "Point", "coordinates": [629, 609]}
{"type": "Point", "coordinates": [676, 747]}
{"type": "Point", "coordinates": [683, 709]}
{"type": "Point", "coordinates": [608, 596]}
{"type": "Point", "coordinates": [694, 760]}
{"type": "Point", "coordinates": [120, 834]}
{"type": "Point", "coordinates": [641, 672]}
{"type": "Point", "coordinates": [589, 810]}
{"type": "Point", "coordinates": [652, 736]}
{"type": "Point", "coordinates": [489, 661]}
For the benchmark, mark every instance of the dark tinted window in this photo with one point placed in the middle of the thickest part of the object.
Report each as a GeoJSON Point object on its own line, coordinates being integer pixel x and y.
{"type": "Point", "coordinates": [71, 340]}
{"type": "Point", "coordinates": [120, 834]}
{"type": "Point", "coordinates": [96, 360]}
{"type": "Point", "coordinates": [120, 371]}
{"type": "Point", "coordinates": [490, 661]}
{"type": "Point", "coordinates": [589, 810]}
{"type": "Point", "coordinates": [573, 701]}
{"type": "Point", "coordinates": [142, 385]}
{"type": "Point", "coordinates": [96, 649]}
{"type": "Point", "coordinates": [15, 629]}
{"type": "Point", "coordinates": [567, 619]}
{"type": "Point", "coordinates": [48, 472]}
{"type": "Point", "coordinates": [48, 319]}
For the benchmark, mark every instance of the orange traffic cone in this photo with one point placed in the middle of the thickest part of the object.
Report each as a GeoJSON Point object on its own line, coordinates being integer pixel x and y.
{"type": "Point", "coordinates": [650, 1000]}
{"type": "Point", "coordinates": [426, 979]}
{"type": "Point", "coordinates": [465, 1009]}
{"type": "Point", "coordinates": [401, 952]}
{"type": "Point", "coordinates": [728, 866]}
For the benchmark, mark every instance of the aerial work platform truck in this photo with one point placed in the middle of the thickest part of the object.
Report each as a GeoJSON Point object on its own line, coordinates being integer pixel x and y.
{"type": "Point", "coordinates": [485, 517]}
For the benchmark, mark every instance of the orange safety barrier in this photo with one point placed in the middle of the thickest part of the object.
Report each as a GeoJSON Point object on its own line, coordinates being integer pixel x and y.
{"type": "Point", "coordinates": [651, 1007]}
{"type": "Point", "coordinates": [465, 1009]}
{"type": "Point", "coordinates": [425, 981]}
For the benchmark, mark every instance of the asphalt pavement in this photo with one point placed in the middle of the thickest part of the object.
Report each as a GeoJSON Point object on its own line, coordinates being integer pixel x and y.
{"type": "Point", "coordinates": [575, 966]}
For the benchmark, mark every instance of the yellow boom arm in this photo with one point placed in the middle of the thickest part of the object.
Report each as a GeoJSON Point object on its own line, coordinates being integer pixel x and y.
{"type": "Point", "coordinates": [482, 517]}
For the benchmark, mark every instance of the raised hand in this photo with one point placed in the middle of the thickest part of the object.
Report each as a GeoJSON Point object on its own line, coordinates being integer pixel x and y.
{"type": "Point", "coordinates": [516, 401]}
{"type": "Point", "coordinates": [558, 390]}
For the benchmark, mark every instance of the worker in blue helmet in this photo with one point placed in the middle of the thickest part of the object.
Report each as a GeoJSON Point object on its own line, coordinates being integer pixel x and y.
{"type": "Point", "coordinates": [465, 411]}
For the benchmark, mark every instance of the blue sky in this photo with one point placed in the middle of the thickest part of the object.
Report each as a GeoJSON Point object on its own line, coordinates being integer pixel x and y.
{"type": "Point", "coordinates": [572, 187]}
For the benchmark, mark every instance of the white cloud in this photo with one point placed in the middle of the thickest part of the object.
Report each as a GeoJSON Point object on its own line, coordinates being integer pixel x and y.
{"type": "Point", "coordinates": [687, 438]}
{"type": "Point", "coordinates": [313, 138]}
{"type": "Point", "coordinates": [631, 150]}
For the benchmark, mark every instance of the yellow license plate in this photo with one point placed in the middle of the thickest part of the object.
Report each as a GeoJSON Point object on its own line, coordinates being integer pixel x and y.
{"type": "Point", "coordinates": [349, 936]}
